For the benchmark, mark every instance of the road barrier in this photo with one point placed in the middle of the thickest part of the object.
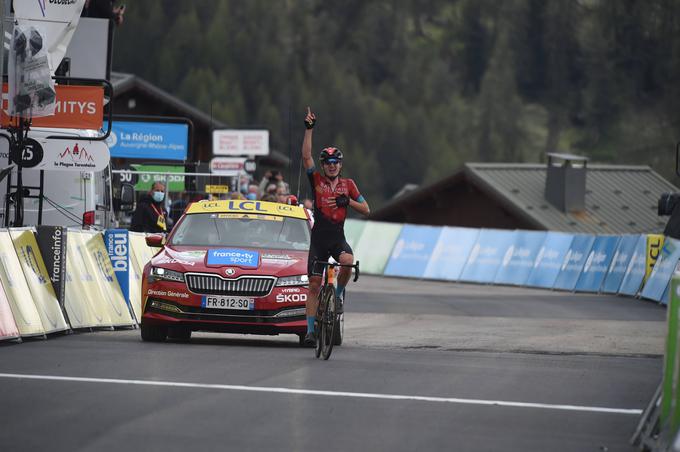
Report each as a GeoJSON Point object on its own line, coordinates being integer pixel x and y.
{"type": "Point", "coordinates": [21, 303]}
{"type": "Point", "coordinates": [99, 264]}
{"type": "Point", "coordinates": [375, 245]}
{"type": "Point", "coordinates": [83, 305]}
{"type": "Point", "coordinates": [38, 280]}
{"type": "Point", "coordinates": [8, 327]}
{"type": "Point", "coordinates": [518, 259]}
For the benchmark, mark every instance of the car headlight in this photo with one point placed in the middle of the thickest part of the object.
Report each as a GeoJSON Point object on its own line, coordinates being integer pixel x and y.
{"type": "Point", "coordinates": [295, 280]}
{"type": "Point", "coordinates": [165, 274]}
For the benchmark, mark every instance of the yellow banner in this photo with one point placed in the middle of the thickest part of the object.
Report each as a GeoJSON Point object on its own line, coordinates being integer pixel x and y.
{"type": "Point", "coordinates": [217, 189]}
{"type": "Point", "coordinates": [140, 254]}
{"type": "Point", "coordinates": [654, 246]}
{"type": "Point", "coordinates": [107, 283]}
{"type": "Point", "coordinates": [23, 309]}
{"type": "Point", "coordinates": [38, 280]}
{"type": "Point", "coordinates": [83, 305]}
{"type": "Point", "coordinates": [250, 207]}
{"type": "Point", "coordinates": [8, 327]}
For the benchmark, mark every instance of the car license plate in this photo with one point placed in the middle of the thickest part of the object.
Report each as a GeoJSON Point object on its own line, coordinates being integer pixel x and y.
{"type": "Point", "coordinates": [243, 303]}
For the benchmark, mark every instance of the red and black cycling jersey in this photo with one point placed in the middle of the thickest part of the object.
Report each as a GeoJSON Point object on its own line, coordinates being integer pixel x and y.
{"type": "Point", "coordinates": [326, 214]}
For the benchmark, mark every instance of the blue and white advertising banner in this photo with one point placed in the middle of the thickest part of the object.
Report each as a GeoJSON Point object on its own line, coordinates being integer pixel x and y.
{"type": "Point", "coordinates": [149, 140]}
{"type": "Point", "coordinates": [451, 253]}
{"type": "Point", "coordinates": [118, 247]}
{"type": "Point", "coordinates": [617, 269]}
{"type": "Point", "coordinates": [487, 255]}
{"type": "Point", "coordinates": [233, 256]}
{"type": "Point", "coordinates": [412, 251]}
{"type": "Point", "coordinates": [597, 263]}
{"type": "Point", "coordinates": [574, 261]}
{"type": "Point", "coordinates": [518, 260]}
{"type": "Point", "coordinates": [548, 263]}
{"type": "Point", "coordinates": [635, 272]}
{"type": "Point", "coordinates": [663, 270]}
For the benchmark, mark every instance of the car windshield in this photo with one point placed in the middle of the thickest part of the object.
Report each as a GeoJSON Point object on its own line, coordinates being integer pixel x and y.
{"type": "Point", "coordinates": [239, 230]}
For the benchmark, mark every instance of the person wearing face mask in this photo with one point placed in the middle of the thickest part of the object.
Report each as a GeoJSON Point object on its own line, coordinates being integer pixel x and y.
{"type": "Point", "coordinates": [150, 215]}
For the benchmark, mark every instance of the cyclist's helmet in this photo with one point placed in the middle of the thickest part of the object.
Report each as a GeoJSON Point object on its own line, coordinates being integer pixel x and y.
{"type": "Point", "coordinates": [330, 154]}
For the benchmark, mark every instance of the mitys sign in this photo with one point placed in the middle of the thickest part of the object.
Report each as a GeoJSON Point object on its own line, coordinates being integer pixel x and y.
{"type": "Point", "coordinates": [52, 245]}
{"type": "Point", "coordinates": [118, 246]}
{"type": "Point", "coordinates": [78, 107]}
{"type": "Point", "coordinates": [233, 256]}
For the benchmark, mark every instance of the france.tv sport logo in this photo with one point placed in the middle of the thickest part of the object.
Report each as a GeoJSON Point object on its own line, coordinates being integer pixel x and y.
{"type": "Point", "coordinates": [240, 258]}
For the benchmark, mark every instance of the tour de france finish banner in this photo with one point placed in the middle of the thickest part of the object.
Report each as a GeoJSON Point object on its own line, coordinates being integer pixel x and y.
{"type": "Point", "coordinates": [38, 280]}
{"type": "Point", "coordinates": [52, 244]}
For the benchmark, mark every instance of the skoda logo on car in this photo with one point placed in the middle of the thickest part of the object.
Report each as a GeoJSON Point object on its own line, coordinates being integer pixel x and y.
{"type": "Point", "coordinates": [230, 271]}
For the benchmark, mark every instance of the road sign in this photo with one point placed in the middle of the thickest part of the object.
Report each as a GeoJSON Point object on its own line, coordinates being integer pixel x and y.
{"type": "Point", "coordinates": [240, 142]}
{"type": "Point", "coordinates": [249, 166]}
{"type": "Point", "coordinates": [227, 166]}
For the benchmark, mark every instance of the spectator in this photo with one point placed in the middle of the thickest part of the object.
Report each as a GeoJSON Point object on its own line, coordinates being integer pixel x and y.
{"type": "Point", "coordinates": [270, 198]}
{"type": "Point", "coordinates": [104, 9]}
{"type": "Point", "coordinates": [150, 215]}
{"type": "Point", "coordinates": [272, 177]}
{"type": "Point", "coordinates": [307, 204]}
{"type": "Point", "coordinates": [282, 194]}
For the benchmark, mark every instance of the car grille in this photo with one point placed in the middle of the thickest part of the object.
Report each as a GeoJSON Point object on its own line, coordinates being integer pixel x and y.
{"type": "Point", "coordinates": [245, 286]}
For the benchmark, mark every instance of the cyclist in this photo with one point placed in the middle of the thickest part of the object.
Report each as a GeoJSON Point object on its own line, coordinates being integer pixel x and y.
{"type": "Point", "coordinates": [332, 196]}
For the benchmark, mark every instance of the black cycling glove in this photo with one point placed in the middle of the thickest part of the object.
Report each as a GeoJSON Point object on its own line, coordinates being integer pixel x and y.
{"type": "Point", "coordinates": [310, 124]}
{"type": "Point", "coordinates": [342, 201]}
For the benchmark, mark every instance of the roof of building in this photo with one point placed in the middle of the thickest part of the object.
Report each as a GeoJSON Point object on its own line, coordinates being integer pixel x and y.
{"type": "Point", "coordinates": [619, 199]}
{"type": "Point", "coordinates": [124, 82]}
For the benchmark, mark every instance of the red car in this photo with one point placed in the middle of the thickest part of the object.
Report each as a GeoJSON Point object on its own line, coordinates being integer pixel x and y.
{"type": "Point", "coordinates": [228, 266]}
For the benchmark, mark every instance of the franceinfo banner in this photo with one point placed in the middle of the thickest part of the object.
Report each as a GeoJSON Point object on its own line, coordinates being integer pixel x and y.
{"type": "Point", "coordinates": [52, 244]}
{"type": "Point", "coordinates": [149, 140]}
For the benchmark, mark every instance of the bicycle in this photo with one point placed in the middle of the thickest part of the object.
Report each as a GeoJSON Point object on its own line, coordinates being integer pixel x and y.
{"type": "Point", "coordinates": [328, 321]}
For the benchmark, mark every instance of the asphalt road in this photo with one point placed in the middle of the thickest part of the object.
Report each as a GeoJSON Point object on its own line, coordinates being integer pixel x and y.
{"type": "Point", "coordinates": [426, 366]}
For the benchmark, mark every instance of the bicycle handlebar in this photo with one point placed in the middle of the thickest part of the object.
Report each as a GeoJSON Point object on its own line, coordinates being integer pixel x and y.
{"type": "Point", "coordinates": [355, 266]}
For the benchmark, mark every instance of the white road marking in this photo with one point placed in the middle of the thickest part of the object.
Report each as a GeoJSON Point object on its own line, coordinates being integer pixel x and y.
{"type": "Point", "coordinates": [360, 395]}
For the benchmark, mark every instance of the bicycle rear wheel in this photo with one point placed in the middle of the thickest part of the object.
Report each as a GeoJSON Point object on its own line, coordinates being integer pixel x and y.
{"type": "Point", "coordinates": [328, 323]}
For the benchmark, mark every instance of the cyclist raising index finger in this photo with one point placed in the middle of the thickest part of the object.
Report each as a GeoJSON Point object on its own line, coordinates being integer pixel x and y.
{"type": "Point", "coordinates": [332, 196]}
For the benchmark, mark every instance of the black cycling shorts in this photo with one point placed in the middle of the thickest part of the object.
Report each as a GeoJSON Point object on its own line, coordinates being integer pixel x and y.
{"type": "Point", "coordinates": [325, 244]}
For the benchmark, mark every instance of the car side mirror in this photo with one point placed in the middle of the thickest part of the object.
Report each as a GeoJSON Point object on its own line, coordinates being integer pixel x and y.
{"type": "Point", "coordinates": [127, 197]}
{"type": "Point", "coordinates": [155, 240]}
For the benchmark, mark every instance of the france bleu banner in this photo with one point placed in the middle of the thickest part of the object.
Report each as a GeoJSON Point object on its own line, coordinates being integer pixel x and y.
{"type": "Point", "coordinates": [451, 253]}
{"type": "Point", "coordinates": [636, 270]}
{"type": "Point", "coordinates": [619, 265]}
{"type": "Point", "coordinates": [487, 254]}
{"type": "Point", "coordinates": [519, 258]}
{"type": "Point", "coordinates": [149, 140]}
{"type": "Point", "coordinates": [597, 263]}
{"type": "Point", "coordinates": [412, 251]}
{"type": "Point", "coordinates": [118, 247]}
{"type": "Point", "coordinates": [549, 260]}
{"type": "Point", "coordinates": [574, 261]}
{"type": "Point", "coordinates": [663, 270]}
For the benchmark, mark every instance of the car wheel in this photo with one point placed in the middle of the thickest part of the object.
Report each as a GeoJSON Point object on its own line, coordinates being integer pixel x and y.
{"type": "Point", "coordinates": [301, 338]}
{"type": "Point", "coordinates": [339, 332]}
{"type": "Point", "coordinates": [153, 333]}
{"type": "Point", "coordinates": [179, 334]}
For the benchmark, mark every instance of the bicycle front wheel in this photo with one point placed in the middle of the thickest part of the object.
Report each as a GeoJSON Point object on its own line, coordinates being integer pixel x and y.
{"type": "Point", "coordinates": [328, 323]}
